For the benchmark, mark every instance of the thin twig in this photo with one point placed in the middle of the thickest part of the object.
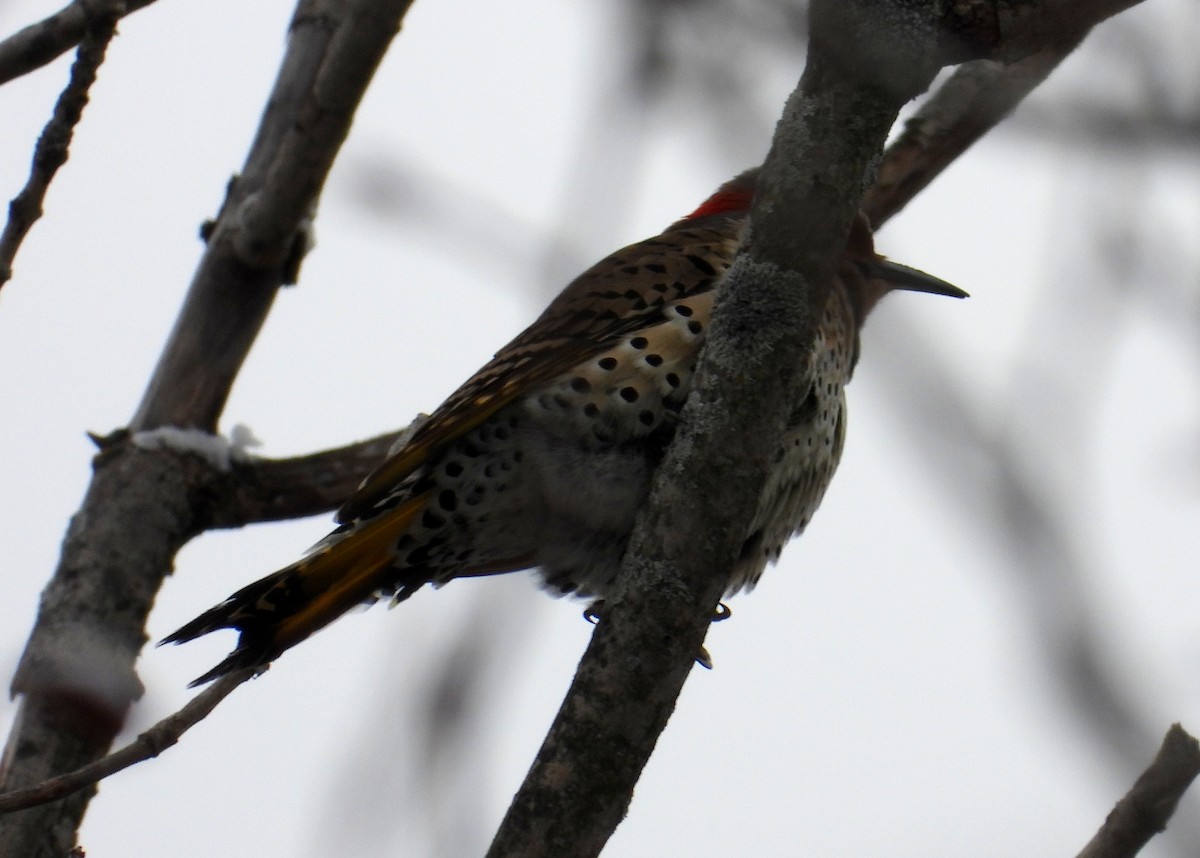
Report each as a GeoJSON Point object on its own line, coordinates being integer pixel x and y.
{"type": "Point", "coordinates": [41, 43]}
{"type": "Point", "coordinates": [149, 744]}
{"type": "Point", "coordinates": [52, 147]}
{"type": "Point", "coordinates": [1146, 808]}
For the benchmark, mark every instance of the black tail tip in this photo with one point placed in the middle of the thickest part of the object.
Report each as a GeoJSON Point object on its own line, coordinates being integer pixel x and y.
{"type": "Point", "coordinates": [210, 621]}
{"type": "Point", "coordinates": [251, 651]}
{"type": "Point", "coordinates": [227, 666]}
{"type": "Point", "coordinates": [176, 637]}
{"type": "Point", "coordinates": [187, 633]}
{"type": "Point", "coordinates": [244, 657]}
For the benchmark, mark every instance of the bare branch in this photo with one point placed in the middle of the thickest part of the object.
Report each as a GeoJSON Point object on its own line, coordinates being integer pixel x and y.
{"type": "Point", "coordinates": [1026, 29]}
{"type": "Point", "coordinates": [149, 744]}
{"type": "Point", "coordinates": [262, 231]}
{"type": "Point", "coordinates": [279, 489]}
{"type": "Point", "coordinates": [972, 102]}
{"type": "Point", "coordinates": [977, 97]}
{"type": "Point", "coordinates": [52, 147]}
{"type": "Point", "coordinates": [1146, 808]}
{"type": "Point", "coordinates": [43, 42]}
{"type": "Point", "coordinates": [76, 674]}
{"type": "Point", "coordinates": [708, 487]}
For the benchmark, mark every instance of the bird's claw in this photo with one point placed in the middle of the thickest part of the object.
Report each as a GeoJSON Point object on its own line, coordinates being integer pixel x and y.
{"type": "Point", "coordinates": [593, 613]}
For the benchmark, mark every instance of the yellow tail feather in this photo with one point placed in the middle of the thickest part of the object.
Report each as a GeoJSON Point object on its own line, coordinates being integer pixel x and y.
{"type": "Point", "coordinates": [346, 574]}
{"type": "Point", "coordinates": [277, 612]}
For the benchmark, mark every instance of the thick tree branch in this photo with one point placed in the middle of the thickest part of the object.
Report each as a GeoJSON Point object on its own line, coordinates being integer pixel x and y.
{"type": "Point", "coordinates": [967, 106]}
{"type": "Point", "coordinates": [53, 145]}
{"type": "Point", "coordinates": [970, 104]}
{"type": "Point", "coordinates": [1146, 808]}
{"type": "Point", "coordinates": [48, 39]}
{"type": "Point", "coordinates": [77, 674]}
{"type": "Point", "coordinates": [149, 744]}
{"type": "Point", "coordinates": [707, 490]}
{"type": "Point", "coordinates": [263, 229]}
{"type": "Point", "coordinates": [1028, 28]}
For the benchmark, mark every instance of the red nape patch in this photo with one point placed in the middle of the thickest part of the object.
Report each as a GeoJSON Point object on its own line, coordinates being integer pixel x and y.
{"type": "Point", "coordinates": [724, 200]}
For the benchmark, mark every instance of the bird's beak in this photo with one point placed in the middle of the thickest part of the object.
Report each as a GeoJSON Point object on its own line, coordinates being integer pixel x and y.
{"type": "Point", "coordinates": [911, 280]}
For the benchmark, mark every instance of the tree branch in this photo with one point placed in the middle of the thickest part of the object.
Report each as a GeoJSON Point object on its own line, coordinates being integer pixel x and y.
{"type": "Point", "coordinates": [280, 489]}
{"type": "Point", "coordinates": [1030, 28]}
{"type": "Point", "coordinates": [52, 147]}
{"type": "Point", "coordinates": [48, 39]}
{"type": "Point", "coordinates": [76, 674]}
{"type": "Point", "coordinates": [1146, 808]}
{"type": "Point", "coordinates": [149, 744]}
{"type": "Point", "coordinates": [263, 229]}
{"type": "Point", "coordinates": [707, 489]}
{"type": "Point", "coordinates": [972, 102]}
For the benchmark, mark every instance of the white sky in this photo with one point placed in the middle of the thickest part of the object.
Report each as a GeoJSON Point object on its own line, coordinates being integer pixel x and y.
{"type": "Point", "coordinates": [880, 693]}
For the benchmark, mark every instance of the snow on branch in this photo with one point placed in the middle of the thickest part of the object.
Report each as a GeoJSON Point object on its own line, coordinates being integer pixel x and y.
{"type": "Point", "coordinates": [217, 450]}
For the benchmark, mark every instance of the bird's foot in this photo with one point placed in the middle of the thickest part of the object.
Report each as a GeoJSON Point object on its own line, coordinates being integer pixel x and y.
{"type": "Point", "coordinates": [723, 612]}
{"type": "Point", "coordinates": [593, 613]}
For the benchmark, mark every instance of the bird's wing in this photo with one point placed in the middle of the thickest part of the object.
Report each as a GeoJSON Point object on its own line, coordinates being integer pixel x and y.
{"type": "Point", "coordinates": [620, 294]}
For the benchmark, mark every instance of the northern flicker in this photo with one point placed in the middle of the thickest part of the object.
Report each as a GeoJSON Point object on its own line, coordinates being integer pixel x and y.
{"type": "Point", "coordinates": [543, 458]}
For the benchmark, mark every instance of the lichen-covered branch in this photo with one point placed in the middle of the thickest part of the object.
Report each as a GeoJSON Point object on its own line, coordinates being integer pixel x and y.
{"type": "Point", "coordinates": [706, 492]}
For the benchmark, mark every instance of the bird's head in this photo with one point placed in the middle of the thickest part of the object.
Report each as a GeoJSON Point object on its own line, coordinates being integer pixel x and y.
{"type": "Point", "coordinates": [866, 275]}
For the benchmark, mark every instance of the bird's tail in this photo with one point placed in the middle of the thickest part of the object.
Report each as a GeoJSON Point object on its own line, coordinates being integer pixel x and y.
{"type": "Point", "coordinates": [279, 611]}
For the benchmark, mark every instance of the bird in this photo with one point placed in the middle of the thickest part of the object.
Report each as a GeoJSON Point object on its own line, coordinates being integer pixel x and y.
{"type": "Point", "coordinates": [544, 456]}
